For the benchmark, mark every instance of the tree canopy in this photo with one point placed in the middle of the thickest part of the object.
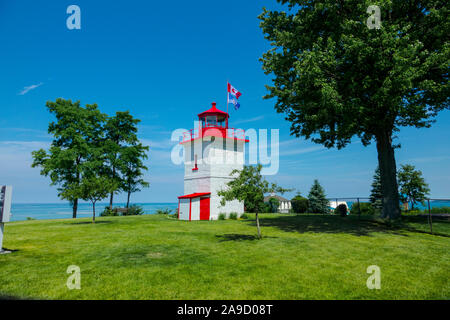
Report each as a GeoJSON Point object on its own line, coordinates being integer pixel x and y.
{"type": "Point", "coordinates": [413, 188]}
{"type": "Point", "coordinates": [336, 78]}
{"type": "Point", "coordinates": [249, 187]}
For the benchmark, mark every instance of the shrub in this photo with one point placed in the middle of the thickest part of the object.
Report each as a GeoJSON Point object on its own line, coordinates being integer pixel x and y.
{"type": "Point", "coordinates": [30, 218]}
{"type": "Point", "coordinates": [273, 205]}
{"type": "Point", "coordinates": [299, 204]}
{"type": "Point", "coordinates": [244, 216]}
{"type": "Point", "coordinates": [134, 210]}
{"type": "Point", "coordinates": [222, 216]}
{"type": "Point", "coordinates": [365, 207]}
{"type": "Point", "coordinates": [233, 216]}
{"type": "Point", "coordinates": [318, 202]}
{"type": "Point", "coordinates": [438, 210]}
{"type": "Point", "coordinates": [341, 210]}
{"type": "Point", "coordinates": [166, 211]}
{"type": "Point", "coordinates": [107, 212]}
{"type": "Point", "coordinates": [266, 208]}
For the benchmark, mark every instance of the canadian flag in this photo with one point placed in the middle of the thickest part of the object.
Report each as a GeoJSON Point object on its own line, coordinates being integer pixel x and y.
{"type": "Point", "coordinates": [234, 91]}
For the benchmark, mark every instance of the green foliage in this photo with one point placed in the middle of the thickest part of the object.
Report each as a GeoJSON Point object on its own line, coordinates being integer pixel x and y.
{"type": "Point", "coordinates": [299, 204]}
{"type": "Point", "coordinates": [30, 218]}
{"type": "Point", "coordinates": [91, 188]}
{"type": "Point", "coordinates": [244, 216]}
{"type": "Point", "coordinates": [77, 134]}
{"type": "Point", "coordinates": [132, 167]}
{"type": "Point", "coordinates": [272, 205]}
{"type": "Point", "coordinates": [317, 199]}
{"type": "Point", "coordinates": [365, 208]}
{"type": "Point", "coordinates": [233, 216]}
{"type": "Point", "coordinates": [222, 216]}
{"type": "Point", "coordinates": [134, 210]}
{"type": "Point", "coordinates": [120, 135]}
{"type": "Point", "coordinates": [249, 186]}
{"type": "Point", "coordinates": [90, 150]}
{"type": "Point", "coordinates": [165, 211]}
{"type": "Point", "coordinates": [412, 185]}
{"type": "Point", "coordinates": [335, 79]}
{"type": "Point", "coordinates": [376, 193]}
{"type": "Point", "coordinates": [107, 212]}
{"type": "Point", "coordinates": [341, 210]}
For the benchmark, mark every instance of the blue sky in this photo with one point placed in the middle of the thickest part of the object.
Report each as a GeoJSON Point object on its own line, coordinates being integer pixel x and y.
{"type": "Point", "coordinates": [166, 62]}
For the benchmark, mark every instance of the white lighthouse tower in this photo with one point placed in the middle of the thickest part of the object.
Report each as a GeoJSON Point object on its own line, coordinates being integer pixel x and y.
{"type": "Point", "coordinates": [211, 152]}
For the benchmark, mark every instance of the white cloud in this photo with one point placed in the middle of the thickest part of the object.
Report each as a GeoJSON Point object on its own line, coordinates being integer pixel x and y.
{"type": "Point", "coordinates": [25, 90]}
{"type": "Point", "coordinates": [248, 120]}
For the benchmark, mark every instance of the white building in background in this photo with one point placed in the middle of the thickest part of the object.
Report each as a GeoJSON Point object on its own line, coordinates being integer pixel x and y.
{"type": "Point", "coordinates": [285, 204]}
{"type": "Point", "coordinates": [211, 152]}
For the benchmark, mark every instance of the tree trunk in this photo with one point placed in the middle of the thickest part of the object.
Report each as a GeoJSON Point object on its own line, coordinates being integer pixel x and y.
{"type": "Point", "coordinates": [93, 212]}
{"type": "Point", "coordinates": [257, 226]}
{"type": "Point", "coordinates": [111, 197]}
{"type": "Point", "coordinates": [128, 199]}
{"type": "Point", "coordinates": [388, 173]}
{"type": "Point", "coordinates": [75, 208]}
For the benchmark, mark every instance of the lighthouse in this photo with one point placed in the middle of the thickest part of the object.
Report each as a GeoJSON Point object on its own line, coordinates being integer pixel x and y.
{"type": "Point", "coordinates": [212, 151]}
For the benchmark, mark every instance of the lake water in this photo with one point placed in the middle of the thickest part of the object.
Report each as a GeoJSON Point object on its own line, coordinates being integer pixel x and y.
{"type": "Point", "coordinates": [20, 211]}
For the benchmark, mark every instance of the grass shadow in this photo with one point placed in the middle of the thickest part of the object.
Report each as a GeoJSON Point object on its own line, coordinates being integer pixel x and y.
{"type": "Point", "coordinates": [89, 222]}
{"type": "Point", "coordinates": [329, 224]}
{"type": "Point", "coordinates": [236, 237]}
{"type": "Point", "coordinates": [10, 250]}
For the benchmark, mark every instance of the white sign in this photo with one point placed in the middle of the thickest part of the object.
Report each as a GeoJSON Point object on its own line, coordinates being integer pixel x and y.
{"type": "Point", "coordinates": [5, 203]}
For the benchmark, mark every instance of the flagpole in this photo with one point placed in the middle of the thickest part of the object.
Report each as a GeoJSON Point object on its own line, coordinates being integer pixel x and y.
{"type": "Point", "coordinates": [227, 100]}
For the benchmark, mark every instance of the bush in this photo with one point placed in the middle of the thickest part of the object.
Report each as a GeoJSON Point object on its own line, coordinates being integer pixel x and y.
{"type": "Point", "coordinates": [233, 216]}
{"type": "Point", "coordinates": [299, 204]}
{"type": "Point", "coordinates": [244, 216]}
{"type": "Point", "coordinates": [222, 216]}
{"type": "Point", "coordinates": [341, 210]}
{"type": "Point", "coordinates": [134, 210]}
{"type": "Point", "coordinates": [166, 211]}
{"type": "Point", "coordinates": [438, 210]}
{"type": "Point", "coordinates": [273, 205]}
{"type": "Point", "coordinates": [30, 218]}
{"type": "Point", "coordinates": [365, 207]}
{"type": "Point", "coordinates": [107, 212]}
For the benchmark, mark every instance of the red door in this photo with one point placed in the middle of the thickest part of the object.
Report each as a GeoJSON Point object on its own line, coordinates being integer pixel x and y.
{"type": "Point", "coordinates": [204, 208]}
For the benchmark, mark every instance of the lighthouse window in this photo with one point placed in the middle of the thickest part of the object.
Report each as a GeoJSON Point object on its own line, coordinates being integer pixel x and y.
{"type": "Point", "coordinates": [211, 121]}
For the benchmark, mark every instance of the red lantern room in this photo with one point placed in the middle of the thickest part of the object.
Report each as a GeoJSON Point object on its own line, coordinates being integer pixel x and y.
{"type": "Point", "coordinates": [213, 122]}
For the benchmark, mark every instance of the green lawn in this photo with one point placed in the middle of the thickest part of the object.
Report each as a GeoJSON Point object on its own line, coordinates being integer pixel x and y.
{"type": "Point", "coordinates": [156, 257]}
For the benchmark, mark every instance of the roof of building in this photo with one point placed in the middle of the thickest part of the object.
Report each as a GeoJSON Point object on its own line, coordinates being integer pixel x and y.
{"type": "Point", "coordinates": [214, 111]}
{"type": "Point", "coordinates": [194, 195]}
{"type": "Point", "coordinates": [279, 198]}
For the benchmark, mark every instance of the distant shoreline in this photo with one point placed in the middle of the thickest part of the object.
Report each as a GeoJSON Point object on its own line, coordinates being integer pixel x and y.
{"type": "Point", "coordinates": [48, 211]}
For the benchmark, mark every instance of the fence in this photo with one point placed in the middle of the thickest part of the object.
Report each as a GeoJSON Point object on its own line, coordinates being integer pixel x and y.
{"type": "Point", "coordinates": [430, 209]}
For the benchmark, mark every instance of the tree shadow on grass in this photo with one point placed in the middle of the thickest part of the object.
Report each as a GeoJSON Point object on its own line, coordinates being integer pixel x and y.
{"type": "Point", "coordinates": [9, 251]}
{"type": "Point", "coordinates": [90, 222]}
{"type": "Point", "coordinates": [329, 224]}
{"type": "Point", "coordinates": [236, 237]}
{"type": "Point", "coordinates": [10, 297]}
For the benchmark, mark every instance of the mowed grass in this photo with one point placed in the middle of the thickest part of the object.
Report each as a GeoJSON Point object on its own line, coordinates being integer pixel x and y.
{"type": "Point", "coordinates": [156, 257]}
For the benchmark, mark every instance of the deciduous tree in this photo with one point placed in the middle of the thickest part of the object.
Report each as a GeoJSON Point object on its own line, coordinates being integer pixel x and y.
{"type": "Point", "coordinates": [413, 187]}
{"type": "Point", "coordinates": [249, 187]}
{"type": "Point", "coordinates": [76, 132]}
{"type": "Point", "coordinates": [336, 77]}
